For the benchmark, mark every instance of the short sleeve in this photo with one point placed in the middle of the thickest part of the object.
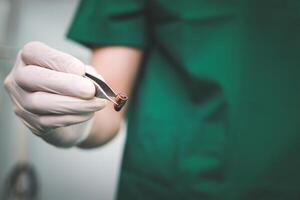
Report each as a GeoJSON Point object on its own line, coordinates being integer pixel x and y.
{"type": "Point", "coordinates": [109, 22]}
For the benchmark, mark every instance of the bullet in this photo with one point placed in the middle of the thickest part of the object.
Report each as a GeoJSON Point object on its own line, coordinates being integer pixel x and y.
{"type": "Point", "coordinates": [121, 100]}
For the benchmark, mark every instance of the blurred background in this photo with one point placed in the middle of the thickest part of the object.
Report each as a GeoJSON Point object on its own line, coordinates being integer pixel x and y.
{"type": "Point", "coordinates": [62, 174]}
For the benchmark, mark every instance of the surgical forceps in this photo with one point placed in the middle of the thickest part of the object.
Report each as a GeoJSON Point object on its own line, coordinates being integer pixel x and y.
{"type": "Point", "coordinates": [104, 91]}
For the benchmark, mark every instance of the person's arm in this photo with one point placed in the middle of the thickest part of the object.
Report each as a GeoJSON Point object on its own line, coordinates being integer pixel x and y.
{"type": "Point", "coordinates": [118, 66]}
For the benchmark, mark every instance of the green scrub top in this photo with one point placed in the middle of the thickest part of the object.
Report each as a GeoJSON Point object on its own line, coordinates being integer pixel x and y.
{"type": "Point", "coordinates": [216, 108]}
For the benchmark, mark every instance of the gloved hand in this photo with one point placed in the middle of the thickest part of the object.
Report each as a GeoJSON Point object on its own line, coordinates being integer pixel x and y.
{"type": "Point", "coordinates": [50, 95]}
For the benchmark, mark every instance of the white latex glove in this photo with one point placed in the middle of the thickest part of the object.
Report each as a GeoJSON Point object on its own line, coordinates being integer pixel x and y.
{"type": "Point", "coordinates": [50, 95]}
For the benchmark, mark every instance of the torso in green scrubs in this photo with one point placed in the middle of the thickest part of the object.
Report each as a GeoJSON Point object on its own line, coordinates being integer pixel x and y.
{"type": "Point", "coordinates": [216, 109]}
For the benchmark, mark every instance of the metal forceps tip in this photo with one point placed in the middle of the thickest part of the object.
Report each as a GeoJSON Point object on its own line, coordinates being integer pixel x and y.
{"type": "Point", "coordinates": [104, 91]}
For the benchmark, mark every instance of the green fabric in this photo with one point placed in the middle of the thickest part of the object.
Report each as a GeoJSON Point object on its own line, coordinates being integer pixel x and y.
{"type": "Point", "coordinates": [216, 109]}
{"type": "Point", "coordinates": [109, 22]}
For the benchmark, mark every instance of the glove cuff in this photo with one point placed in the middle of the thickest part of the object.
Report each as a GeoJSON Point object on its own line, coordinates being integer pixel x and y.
{"type": "Point", "coordinates": [69, 136]}
{"type": "Point", "coordinates": [85, 132]}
